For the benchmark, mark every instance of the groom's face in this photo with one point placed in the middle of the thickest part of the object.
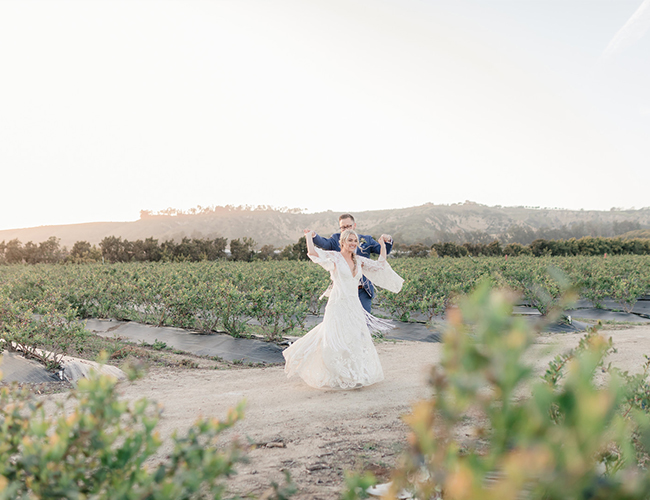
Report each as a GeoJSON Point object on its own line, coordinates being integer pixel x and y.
{"type": "Point", "coordinates": [347, 224]}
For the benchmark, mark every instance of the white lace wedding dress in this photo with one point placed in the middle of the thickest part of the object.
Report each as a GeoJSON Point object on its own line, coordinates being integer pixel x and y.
{"type": "Point", "coordinates": [339, 352]}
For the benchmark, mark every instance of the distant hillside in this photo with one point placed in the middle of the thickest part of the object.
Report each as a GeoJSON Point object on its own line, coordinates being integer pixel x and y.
{"type": "Point", "coordinates": [426, 223]}
{"type": "Point", "coordinates": [638, 234]}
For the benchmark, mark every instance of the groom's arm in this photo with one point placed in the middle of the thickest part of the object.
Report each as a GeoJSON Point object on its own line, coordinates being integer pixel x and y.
{"type": "Point", "coordinates": [374, 247]}
{"type": "Point", "coordinates": [327, 243]}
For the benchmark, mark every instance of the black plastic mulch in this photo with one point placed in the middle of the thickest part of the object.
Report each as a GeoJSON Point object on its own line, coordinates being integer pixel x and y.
{"type": "Point", "coordinates": [257, 351]}
{"type": "Point", "coordinates": [16, 368]}
{"type": "Point", "coordinates": [221, 345]}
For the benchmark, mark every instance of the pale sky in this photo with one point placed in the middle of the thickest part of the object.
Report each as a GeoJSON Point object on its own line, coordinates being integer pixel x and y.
{"type": "Point", "coordinates": [110, 107]}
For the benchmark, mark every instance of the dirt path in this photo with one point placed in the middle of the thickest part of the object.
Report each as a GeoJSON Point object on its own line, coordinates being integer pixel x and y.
{"type": "Point", "coordinates": [327, 432]}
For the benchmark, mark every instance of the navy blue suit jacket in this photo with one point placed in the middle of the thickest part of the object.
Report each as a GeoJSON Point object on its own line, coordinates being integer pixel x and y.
{"type": "Point", "coordinates": [367, 246]}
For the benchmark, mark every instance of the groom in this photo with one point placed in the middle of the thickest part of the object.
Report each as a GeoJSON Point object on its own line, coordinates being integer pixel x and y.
{"type": "Point", "coordinates": [367, 245]}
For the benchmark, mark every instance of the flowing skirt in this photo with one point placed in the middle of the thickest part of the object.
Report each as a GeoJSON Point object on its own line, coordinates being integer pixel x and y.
{"type": "Point", "coordinates": [339, 352]}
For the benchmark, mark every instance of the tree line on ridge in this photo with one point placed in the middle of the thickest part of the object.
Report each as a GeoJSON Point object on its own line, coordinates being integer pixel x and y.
{"type": "Point", "coordinates": [115, 249]}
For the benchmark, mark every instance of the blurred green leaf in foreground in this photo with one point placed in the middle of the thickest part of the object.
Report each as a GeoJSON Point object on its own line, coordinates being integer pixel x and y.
{"type": "Point", "coordinates": [492, 429]}
{"type": "Point", "coordinates": [98, 447]}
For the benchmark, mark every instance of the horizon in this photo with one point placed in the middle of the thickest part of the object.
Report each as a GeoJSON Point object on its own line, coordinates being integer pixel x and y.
{"type": "Point", "coordinates": [118, 105]}
{"type": "Point", "coordinates": [254, 208]}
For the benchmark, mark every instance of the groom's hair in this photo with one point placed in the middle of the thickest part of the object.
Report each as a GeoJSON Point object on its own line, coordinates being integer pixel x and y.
{"type": "Point", "coordinates": [346, 216]}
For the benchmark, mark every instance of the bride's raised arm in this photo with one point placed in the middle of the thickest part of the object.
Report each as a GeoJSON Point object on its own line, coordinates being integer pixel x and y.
{"type": "Point", "coordinates": [380, 272]}
{"type": "Point", "coordinates": [309, 237]}
{"type": "Point", "coordinates": [320, 257]}
{"type": "Point", "coordinates": [382, 244]}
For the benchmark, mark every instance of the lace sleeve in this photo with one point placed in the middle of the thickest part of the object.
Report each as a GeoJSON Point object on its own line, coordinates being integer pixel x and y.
{"type": "Point", "coordinates": [381, 274]}
{"type": "Point", "coordinates": [325, 259]}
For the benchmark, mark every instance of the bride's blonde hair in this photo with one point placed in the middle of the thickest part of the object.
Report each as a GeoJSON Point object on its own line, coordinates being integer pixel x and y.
{"type": "Point", "coordinates": [344, 237]}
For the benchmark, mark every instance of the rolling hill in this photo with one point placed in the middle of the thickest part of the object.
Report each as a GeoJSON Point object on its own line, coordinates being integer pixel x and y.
{"type": "Point", "coordinates": [427, 223]}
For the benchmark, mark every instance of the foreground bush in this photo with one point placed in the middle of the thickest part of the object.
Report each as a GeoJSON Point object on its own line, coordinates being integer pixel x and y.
{"type": "Point", "coordinates": [493, 430]}
{"type": "Point", "coordinates": [98, 450]}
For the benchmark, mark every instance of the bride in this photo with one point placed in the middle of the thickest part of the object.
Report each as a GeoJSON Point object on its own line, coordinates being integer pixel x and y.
{"type": "Point", "coordinates": [339, 353]}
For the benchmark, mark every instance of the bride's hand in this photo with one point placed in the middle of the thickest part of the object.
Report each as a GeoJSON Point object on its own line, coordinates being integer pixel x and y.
{"type": "Point", "coordinates": [309, 232]}
{"type": "Point", "coordinates": [382, 247]}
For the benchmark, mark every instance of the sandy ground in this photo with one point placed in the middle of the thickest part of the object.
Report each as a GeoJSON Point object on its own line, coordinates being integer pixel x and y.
{"type": "Point", "coordinates": [317, 435]}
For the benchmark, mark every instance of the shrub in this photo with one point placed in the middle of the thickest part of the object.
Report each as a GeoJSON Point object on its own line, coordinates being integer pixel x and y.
{"type": "Point", "coordinates": [101, 449]}
{"type": "Point", "coordinates": [243, 250]}
{"type": "Point", "coordinates": [515, 249]}
{"type": "Point", "coordinates": [562, 437]}
{"type": "Point", "coordinates": [46, 336]}
{"type": "Point", "coordinates": [449, 249]}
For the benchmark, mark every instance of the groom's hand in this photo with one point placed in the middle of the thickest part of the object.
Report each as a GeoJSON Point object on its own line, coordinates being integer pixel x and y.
{"type": "Point", "coordinates": [387, 238]}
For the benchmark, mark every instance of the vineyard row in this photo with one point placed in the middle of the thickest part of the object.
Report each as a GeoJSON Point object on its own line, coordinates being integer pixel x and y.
{"type": "Point", "coordinates": [274, 298]}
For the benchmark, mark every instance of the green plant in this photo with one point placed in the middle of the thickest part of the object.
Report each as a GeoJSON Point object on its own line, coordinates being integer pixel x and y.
{"type": "Point", "coordinates": [493, 430]}
{"type": "Point", "coordinates": [46, 336]}
{"type": "Point", "coordinates": [159, 345]}
{"type": "Point", "coordinates": [99, 449]}
{"type": "Point", "coordinates": [225, 296]}
{"type": "Point", "coordinates": [188, 363]}
{"type": "Point", "coordinates": [277, 311]}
